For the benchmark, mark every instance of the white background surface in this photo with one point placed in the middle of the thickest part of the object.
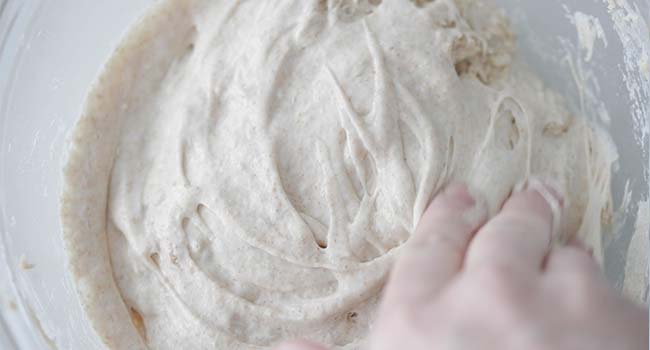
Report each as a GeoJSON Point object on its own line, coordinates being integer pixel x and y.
{"type": "Point", "coordinates": [51, 52]}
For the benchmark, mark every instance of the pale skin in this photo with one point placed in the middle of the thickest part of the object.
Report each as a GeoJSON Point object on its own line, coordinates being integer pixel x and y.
{"type": "Point", "coordinates": [464, 282]}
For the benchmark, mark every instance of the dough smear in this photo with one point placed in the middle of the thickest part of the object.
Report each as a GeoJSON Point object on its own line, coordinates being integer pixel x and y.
{"type": "Point", "coordinates": [247, 171]}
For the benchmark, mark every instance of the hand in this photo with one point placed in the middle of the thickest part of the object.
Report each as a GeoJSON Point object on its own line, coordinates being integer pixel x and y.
{"type": "Point", "coordinates": [462, 284]}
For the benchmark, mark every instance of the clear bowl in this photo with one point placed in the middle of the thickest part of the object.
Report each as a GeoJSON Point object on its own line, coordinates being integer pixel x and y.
{"type": "Point", "coordinates": [51, 51]}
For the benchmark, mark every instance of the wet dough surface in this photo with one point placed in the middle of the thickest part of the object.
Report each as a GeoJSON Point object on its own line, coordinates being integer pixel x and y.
{"type": "Point", "coordinates": [247, 171]}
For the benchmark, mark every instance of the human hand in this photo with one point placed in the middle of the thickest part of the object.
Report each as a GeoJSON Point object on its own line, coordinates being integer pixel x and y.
{"type": "Point", "coordinates": [465, 284]}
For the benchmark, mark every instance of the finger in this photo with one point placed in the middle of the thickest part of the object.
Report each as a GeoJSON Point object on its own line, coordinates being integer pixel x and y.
{"type": "Point", "coordinates": [578, 244]}
{"type": "Point", "coordinates": [434, 253]}
{"type": "Point", "coordinates": [517, 238]}
{"type": "Point", "coordinates": [571, 260]}
{"type": "Point", "coordinates": [573, 274]}
{"type": "Point", "coordinates": [300, 345]}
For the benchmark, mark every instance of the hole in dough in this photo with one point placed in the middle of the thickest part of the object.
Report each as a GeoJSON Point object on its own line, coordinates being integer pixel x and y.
{"type": "Point", "coordinates": [318, 230]}
{"type": "Point", "coordinates": [138, 322]}
{"type": "Point", "coordinates": [352, 316]}
{"type": "Point", "coordinates": [507, 134]}
{"type": "Point", "coordinates": [155, 259]}
{"type": "Point", "coordinates": [557, 128]}
{"type": "Point", "coordinates": [462, 67]}
{"type": "Point", "coordinates": [422, 3]}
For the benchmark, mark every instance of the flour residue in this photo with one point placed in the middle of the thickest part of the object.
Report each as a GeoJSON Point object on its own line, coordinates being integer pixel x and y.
{"type": "Point", "coordinates": [589, 30]}
{"type": "Point", "coordinates": [632, 30]}
{"type": "Point", "coordinates": [25, 264]}
{"type": "Point", "coordinates": [635, 285]}
{"type": "Point", "coordinates": [577, 56]}
{"type": "Point", "coordinates": [49, 341]}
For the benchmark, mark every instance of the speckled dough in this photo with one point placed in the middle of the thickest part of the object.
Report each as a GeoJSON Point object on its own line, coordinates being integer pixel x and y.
{"type": "Point", "coordinates": [246, 171]}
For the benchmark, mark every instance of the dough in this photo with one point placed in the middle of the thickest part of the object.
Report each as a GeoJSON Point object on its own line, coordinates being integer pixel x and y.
{"type": "Point", "coordinates": [247, 171]}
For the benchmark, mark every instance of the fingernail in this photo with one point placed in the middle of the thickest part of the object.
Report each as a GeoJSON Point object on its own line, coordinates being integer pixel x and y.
{"type": "Point", "coordinates": [549, 187]}
{"type": "Point", "coordinates": [520, 186]}
{"type": "Point", "coordinates": [477, 215]}
{"type": "Point", "coordinates": [461, 192]}
{"type": "Point", "coordinates": [590, 251]}
{"type": "Point", "coordinates": [473, 204]}
{"type": "Point", "coordinates": [550, 191]}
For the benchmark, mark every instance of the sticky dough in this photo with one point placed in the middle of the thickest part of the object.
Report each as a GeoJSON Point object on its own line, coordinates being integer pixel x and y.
{"type": "Point", "coordinates": [247, 171]}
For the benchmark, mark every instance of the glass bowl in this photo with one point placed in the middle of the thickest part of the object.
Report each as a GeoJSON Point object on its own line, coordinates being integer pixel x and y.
{"type": "Point", "coordinates": [51, 52]}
